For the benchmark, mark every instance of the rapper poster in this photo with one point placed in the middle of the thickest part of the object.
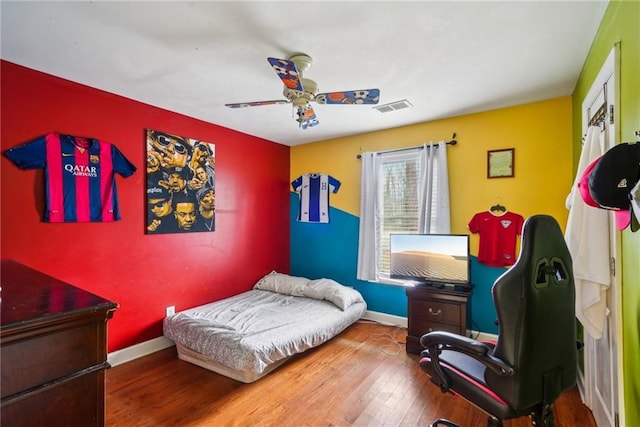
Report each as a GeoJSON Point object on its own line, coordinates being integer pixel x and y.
{"type": "Point", "coordinates": [180, 184]}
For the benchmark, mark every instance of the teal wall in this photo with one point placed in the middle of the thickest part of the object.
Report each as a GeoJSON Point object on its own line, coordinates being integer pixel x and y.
{"type": "Point", "coordinates": [331, 250]}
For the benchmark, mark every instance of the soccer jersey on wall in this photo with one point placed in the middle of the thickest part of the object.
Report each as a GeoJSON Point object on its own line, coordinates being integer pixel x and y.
{"type": "Point", "coordinates": [313, 190]}
{"type": "Point", "coordinates": [79, 176]}
{"type": "Point", "coordinates": [498, 236]}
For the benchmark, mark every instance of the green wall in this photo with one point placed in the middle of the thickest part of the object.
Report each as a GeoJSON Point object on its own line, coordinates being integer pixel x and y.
{"type": "Point", "coordinates": [338, 157]}
{"type": "Point", "coordinates": [621, 23]}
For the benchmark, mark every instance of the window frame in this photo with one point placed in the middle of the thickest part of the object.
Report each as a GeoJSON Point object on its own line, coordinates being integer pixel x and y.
{"type": "Point", "coordinates": [383, 275]}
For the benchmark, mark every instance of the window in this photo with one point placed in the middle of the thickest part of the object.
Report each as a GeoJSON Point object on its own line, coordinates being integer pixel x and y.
{"type": "Point", "coordinates": [399, 181]}
{"type": "Point", "coordinates": [402, 192]}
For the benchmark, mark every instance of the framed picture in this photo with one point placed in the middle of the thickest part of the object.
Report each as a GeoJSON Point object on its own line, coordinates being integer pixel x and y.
{"type": "Point", "coordinates": [181, 191]}
{"type": "Point", "coordinates": [500, 163]}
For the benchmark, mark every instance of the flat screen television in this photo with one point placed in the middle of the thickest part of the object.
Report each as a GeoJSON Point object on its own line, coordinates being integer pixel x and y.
{"type": "Point", "coordinates": [431, 259]}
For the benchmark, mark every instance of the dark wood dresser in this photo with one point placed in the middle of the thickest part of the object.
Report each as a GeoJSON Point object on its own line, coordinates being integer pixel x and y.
{"type": "Point", "coordinates": [432, 309]}
{"type": "Point", "coordinates": [53, 339]}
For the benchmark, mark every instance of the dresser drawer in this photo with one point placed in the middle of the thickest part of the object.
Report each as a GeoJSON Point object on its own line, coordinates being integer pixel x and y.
{"type": "Point", "coordinates": [76, 402]}
{"type": "Point", "coordinates": [435, 311]}
{"type": "Point", "coordinates": [44, 358]}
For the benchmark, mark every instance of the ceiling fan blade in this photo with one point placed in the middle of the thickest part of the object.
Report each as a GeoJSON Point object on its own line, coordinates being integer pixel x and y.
{"type": "Point", "coordinates": [256, 103]}
{"type": "Point", "coordinates": [365, 96]}
{"type": "Point", "coordinates": [308, 119]}
{"type": "Point", "coordinates": [287, 72]}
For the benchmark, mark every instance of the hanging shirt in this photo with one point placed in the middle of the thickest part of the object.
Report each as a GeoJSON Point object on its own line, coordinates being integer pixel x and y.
{"type": "Point", "coordinates": [79, 176]}
{"type": "Point", "coordinates": [498, 236]}
{"type": "Point", "coordinates": [314, 190]}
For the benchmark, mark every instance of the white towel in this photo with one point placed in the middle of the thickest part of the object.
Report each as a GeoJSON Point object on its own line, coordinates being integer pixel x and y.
{"type": "Point", "coordinates": [587, 237]}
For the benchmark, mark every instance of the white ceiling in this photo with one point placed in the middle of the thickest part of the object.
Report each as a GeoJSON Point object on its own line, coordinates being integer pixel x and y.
{"type": "Point", "coordinates": [446, 58]}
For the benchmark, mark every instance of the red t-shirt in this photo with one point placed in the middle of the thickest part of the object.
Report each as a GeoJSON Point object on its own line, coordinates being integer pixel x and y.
{"type": "Point", "coordinates": [498, 235]}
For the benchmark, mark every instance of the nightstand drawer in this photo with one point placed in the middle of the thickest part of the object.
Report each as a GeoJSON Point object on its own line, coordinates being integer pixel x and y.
{"type": "Point", "coordinates": [420, 327]}
{"type": "Point", "coordinates": [435, 311]}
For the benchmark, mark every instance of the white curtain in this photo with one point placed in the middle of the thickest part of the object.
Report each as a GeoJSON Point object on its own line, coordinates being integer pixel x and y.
{"type": "Point", "coordinates": [368, 241]}
{"type": "Point", "coordinates": [435, 216]}
{"type": "Point", "coordinates": [434, 212]}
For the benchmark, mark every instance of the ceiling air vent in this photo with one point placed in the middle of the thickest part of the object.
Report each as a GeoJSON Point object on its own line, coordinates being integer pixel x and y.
{"type": "Point", "coordinates": [393, 106]}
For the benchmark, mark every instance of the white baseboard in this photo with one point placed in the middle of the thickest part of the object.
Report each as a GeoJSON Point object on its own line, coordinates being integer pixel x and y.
{"type": "Point", "coordinates": [385, 319]}
{"type": "Point", "coordinates": [392, 320]}
{"type": "Point", "coordinates": [483, 336]}
{"type": "Point", "coordinates": [128, 354]}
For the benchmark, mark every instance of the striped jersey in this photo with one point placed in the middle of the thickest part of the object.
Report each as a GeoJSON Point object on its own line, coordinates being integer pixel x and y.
{"type": "Point", "coordinates": [314, 190]}
{"type": "Point", "coordinates": [79, 176]}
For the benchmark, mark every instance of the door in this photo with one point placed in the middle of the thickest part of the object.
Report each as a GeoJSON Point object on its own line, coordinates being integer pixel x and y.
{"type": "Point", "coordinates": [600, 376]}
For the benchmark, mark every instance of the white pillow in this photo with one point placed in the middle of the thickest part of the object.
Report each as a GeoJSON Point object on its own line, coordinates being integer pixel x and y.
{"type": "Point", "coordinates": [282, 284]}
{"type": "Point", "coordinates": [330, 290]}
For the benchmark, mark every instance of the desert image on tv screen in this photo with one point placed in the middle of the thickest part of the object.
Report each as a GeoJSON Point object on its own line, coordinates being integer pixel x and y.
{"type": "Point", "coordinates": [435, 264]}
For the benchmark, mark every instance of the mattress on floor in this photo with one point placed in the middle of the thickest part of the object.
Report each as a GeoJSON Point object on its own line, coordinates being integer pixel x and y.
{"type": "Point", "coordinates": [248, 335]}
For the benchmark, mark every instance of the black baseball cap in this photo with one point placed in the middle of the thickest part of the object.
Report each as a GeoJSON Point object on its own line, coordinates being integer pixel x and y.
{"type": "Point", "coordinates": [612, 179]}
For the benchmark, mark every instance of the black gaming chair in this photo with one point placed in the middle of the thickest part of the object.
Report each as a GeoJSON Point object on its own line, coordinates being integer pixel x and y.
{"type": "Point", "coordinates": [535, 356]}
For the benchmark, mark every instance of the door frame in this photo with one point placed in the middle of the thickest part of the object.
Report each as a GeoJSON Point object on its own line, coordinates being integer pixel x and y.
{"type": "Point", "coordinates": [610, 71]}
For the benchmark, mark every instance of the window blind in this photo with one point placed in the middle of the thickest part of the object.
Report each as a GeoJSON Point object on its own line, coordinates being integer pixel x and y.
{"type": "Point", "coordinates": [399, 182]}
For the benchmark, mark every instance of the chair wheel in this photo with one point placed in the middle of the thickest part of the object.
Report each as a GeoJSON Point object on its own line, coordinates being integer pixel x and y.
{"type": "Point", "coordinates": [441, 422]}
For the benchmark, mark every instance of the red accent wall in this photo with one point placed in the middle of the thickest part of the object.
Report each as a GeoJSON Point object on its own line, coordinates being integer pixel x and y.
{"type": "Point", "coordinates": [143, 273]}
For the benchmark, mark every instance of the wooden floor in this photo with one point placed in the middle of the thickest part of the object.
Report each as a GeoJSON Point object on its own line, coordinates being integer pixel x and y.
{"type": "Point", "coordinates": [363, 377]}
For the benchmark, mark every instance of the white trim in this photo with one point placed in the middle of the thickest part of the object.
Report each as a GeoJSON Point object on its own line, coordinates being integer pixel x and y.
{"type": "Point", "coordinates": [128, 354]}
{"type": "Point", "coordinates": [607, 70]}
{"type": "Point", "coordinates": [392, 320]}
{"type": "Point", "coordinates": [609, 73]}
{"type": "Point", "coordinates": [582, 384]}
{"type": "Point", "coordinates": [483, 336]}
{"type": "Point", "coordinates": [385, 319]}
{"type": "Point", "coordinates": [136, 351]}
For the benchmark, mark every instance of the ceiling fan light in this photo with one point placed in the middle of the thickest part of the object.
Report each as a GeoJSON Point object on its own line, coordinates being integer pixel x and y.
{"type": "Point", "coordinates": [300, 102]}
{"type": "Point", "coordinates": [302, 61]}
{"type": "Point", "coordinates": [309, 86]}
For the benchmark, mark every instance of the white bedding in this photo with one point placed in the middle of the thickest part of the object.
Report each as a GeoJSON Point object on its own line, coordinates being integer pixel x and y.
{"type": "Point", "coordinates": [252, 332]}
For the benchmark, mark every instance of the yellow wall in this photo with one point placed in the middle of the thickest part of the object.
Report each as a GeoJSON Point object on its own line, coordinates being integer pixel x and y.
{"type": "Point", "coordinates": [540, 133]}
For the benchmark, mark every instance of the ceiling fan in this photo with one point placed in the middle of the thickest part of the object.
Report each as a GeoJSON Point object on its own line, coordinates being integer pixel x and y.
{"type": "Point", "coordinates": [300, 92]}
